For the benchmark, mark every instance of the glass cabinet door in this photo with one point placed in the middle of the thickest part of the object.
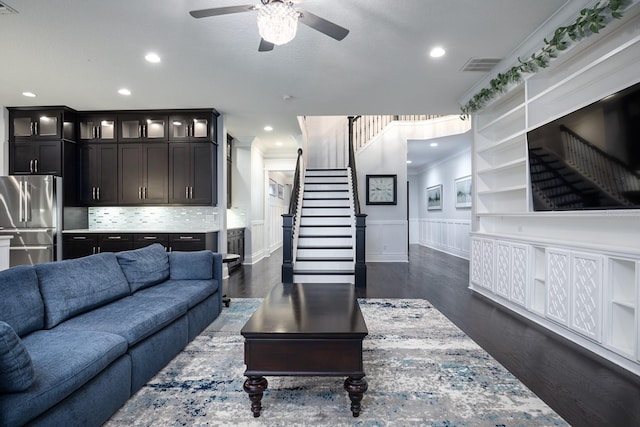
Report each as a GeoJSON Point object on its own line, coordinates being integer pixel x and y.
{"type": "Point", "coordinates": [22, 126]}
{"type": "Point", "coordinates": [47, 125]}
{"type": "Point", "coordinates": [97, 128]}
{"type": "Point", "coordinates": [200, 128]}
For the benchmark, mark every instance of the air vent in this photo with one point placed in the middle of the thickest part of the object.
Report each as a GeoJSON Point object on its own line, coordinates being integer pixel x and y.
{"type": "Point", "coordinates": [480, 64]}
{"type": "Point", "coordinates": [6, 10]}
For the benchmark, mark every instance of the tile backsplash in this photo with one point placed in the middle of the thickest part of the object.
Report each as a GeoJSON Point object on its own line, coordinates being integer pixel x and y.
{"type": "Point", "coordinates": [154, 218]}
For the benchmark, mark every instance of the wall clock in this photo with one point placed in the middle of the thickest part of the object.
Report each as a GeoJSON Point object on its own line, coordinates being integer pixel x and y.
{"type": "Point", "coordinates": [381, 190]}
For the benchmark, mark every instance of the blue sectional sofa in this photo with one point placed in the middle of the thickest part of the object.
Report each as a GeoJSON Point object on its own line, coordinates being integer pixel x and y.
{"type": "Point", "coordinates": [79, 337]}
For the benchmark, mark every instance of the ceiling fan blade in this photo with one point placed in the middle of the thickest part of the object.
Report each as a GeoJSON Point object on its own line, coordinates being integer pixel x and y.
{"type": "Point", "coordinates": [204, 13]}
{"type": "Point", "coordinates": [326, 27]}
{"type": "Point", "coordinates": [265, 46]}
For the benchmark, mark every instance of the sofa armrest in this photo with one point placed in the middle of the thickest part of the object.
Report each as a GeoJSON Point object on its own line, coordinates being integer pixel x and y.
{"type": "Point", "coordinates": [217, 268]}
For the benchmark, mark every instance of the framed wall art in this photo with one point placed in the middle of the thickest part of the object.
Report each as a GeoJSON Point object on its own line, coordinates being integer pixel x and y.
{"type": "Point", "coordinates": [280, 191]}
{"type": "Point", "coordinates": [434, 197]}
{"type": "Point", "coordinates": [463, 192]}
{"type": "Point", "coordinates": [382, 190]}
{"type": "Point", "coordinates": [272, 188]}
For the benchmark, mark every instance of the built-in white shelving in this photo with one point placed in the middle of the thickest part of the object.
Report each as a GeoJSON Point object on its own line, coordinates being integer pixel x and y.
{"type": "Point", "coordinates": [582, 268]}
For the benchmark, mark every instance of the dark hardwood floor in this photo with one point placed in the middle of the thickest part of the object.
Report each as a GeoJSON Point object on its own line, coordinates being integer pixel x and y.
{"type": "Point", "coordinates": [583, 388]}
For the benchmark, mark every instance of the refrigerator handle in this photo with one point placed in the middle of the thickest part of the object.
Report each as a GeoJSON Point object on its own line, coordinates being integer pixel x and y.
{"type": "Point", "coordinates": [27, 201]}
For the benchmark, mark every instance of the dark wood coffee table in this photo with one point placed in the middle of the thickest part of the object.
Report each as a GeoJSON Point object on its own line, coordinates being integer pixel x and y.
{"type": "Point", "coordinates": [310, 329]}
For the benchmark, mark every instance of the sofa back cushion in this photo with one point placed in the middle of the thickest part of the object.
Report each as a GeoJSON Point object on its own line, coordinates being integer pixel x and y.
{"type": "Point", "coordinates": [191, 265]}
{"type": "Point", "coordinates": [16, 368]}
{"type": "Point", "coordinates": [74, 286]}
{"type": "Point", "coordinates": [144, 267]}
{"type": "Point", "coordinates": [21, 305]}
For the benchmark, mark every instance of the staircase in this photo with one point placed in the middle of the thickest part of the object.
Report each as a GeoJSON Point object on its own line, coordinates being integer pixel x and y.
{"type": "Point", "coordinates": [326, 235]}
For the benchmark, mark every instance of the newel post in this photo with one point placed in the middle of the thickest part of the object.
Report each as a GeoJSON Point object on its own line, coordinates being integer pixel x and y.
{"type": "Point", "coordinates": [287, 248]}
{"type": "Point", "coordinates": [361, 265]}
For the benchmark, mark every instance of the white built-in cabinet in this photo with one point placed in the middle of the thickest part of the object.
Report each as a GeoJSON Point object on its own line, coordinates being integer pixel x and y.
{"type": "Point", "coordinates": [576, 273]}
{"type": "Point", "coordinates": [589, 294]}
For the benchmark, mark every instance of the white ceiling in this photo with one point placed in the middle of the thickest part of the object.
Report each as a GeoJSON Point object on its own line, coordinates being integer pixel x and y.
{"type": "Point", "coordinates": [79, 53]}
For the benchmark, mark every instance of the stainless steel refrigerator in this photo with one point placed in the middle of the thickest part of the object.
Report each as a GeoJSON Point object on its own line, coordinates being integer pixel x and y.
{"type": "Point", "coordinates": [31, 212]}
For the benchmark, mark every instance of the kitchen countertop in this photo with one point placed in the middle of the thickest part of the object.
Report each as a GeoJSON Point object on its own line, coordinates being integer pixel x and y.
{"type": "Point", "coordinates": [93, 230]}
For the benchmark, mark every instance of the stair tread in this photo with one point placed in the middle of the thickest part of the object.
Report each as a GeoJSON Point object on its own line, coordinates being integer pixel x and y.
{"type": "Point", "coordinates": [330, 236]}
{"type": "Point", "coordinates": [324, 247]}
{"type": "Point", "coordinates": [334, 259]}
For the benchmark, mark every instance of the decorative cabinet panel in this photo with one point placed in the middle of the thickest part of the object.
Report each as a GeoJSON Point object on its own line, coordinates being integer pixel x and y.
{"type": "Point", "coordinates": [558, 270]}
{"type": "Point", "coordinates": [476, 261]}
{"type": "Point", "coordinates": [520, 267]}
{"type": "Point", "coordinates": [488, 264]}
{"type": "Point", "coordinates": [586, 294]}
{"type": "Point", "coordinates": [503, 269]}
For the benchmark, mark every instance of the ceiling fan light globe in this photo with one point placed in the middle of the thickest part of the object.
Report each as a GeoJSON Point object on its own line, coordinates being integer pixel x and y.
{"type": "Point", "coordinates": [277, 22]}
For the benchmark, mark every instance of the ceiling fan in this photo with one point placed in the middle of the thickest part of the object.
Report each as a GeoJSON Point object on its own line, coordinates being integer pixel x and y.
{"type": "Point", "coordinates": [278, 21]}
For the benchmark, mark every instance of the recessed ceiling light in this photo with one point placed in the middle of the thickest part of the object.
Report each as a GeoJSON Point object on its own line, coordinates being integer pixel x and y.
{"type": "Point", "coordinates": [124, 91]}
{"type": "Point", "coordinates": [29, 94]}
{"type": "Point", "coordinates": [279, 143]}
{"type": "Point", "coordinates": [152, 57]}
{"type": "Point", "coordinates": [268, 128]}
{"type": "Point", "coordinates": [409, 162]}
{"type": "Point", "coordinates": [437, 52]}
{"type": "Point", "coordinates": [433, 144]}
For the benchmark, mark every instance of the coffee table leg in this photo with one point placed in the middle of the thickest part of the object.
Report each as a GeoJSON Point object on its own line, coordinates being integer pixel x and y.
{"type": "Point", "coordinates": [255, 386]}
{"type": "Point", "coordinates": [355, 386]}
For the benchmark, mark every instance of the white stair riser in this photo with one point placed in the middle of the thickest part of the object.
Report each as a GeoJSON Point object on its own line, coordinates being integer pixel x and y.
{"type": "Point", "coordinates": [326, 187]}
{"type": "Point", "coordinates": [326, 211]}
{"type": "Point", "coordinates": [325, 180]}
{"type": "Point", "coordinates": [340, 203]}
{"type": "Point", "coordinates": [309, 195]}
{"type": "Point", "coordinates": [324, 265]}
{"type": "Point", "coordinates": [325, 231]}
{"type": "Point", "coordinates": [324, 221]}
{"type": "Point", "coordinates": [337, 172]}
{"type": "Point", "coordinates": [324, 253]}
{"type": "Point", "coordinates": [324, 242]}
{"type": "Point", "coordinates": [301, 278]}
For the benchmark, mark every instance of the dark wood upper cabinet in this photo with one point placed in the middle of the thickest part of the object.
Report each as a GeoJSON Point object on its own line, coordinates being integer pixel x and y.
{"type": "Point", "coordinates": [191, 173]}
{"type": "Point", "coordinates": [99, 127]}
{"type": "Point", "coordinates": [143, 126]}
{"type": "Point", "coordinates": [33, 124]}
{"type": "Point", "coordinates": [142, 170]}
{"type": "Point", "coordinates": [99, 177]}
{"type": "Point", "coordinates": [192, 126]}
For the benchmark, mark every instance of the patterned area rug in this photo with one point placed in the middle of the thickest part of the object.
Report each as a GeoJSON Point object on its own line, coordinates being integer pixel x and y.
{"type": "Point", "coordinates": [421, 369]}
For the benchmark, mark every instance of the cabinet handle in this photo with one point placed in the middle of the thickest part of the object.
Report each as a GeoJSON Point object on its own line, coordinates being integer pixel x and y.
{"type": "Point", "coordinates": [98, 132]}
{"type": "Point", "coordinates": [149, 238]}
{"type": "Point", "coordinates": [139, 192]}
{"type": "Point", "coordinates": [93, 193]}
{"type": "Point", "coordinates": [99, 249]}
{"type": "Point", "coordinates": [98, 193]}
{"type": "Point", "coordinates": [185, 237]}
{"type": "Point", "coordinates": [35, 162]}
{"type": "Point", "coordinates": [191, 192]}
{"type": "Point", "coordinates": [114, 237]}
{"type": "Point", "coordinates": [93, 250]}
{"type": "Point", "coordinates": [31, 128]}
{"type": "Point", "coordinates": [35, 127]}
{"type": "Point", "coordinates": [144, 131]}
{"type": "Point", "coordinates": [30, 166]}
{"type": "Point", "coordinates": [145, 192]}
{"type": "Point", "coordinates": [79, 238]}
{"type": "Point", "coordinates": [186, 192]}
{"type": "Point", "coordinates": [94, 132]}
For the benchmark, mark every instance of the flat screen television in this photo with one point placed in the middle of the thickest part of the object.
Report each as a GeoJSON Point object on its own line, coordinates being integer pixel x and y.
{"type": "Point", "coordinates": [590, 158]}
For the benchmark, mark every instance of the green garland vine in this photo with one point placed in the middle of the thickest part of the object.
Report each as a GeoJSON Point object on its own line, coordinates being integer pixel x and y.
{"type": "Point", "coordinates": [590, 21]}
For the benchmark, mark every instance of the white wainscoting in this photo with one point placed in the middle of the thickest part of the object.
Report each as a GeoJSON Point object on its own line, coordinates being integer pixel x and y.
{"type": "Point", "coordinates": [275, 226]}
{"type": "Point", "coordinates": [258, 250]}
{"type": "Point", "coordinates": [391, 246]}
{"type": "Point", "coordinates": [447, 235]}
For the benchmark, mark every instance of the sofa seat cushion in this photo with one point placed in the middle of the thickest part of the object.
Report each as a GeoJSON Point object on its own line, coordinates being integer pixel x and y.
{"type": "Point", "coordinates": [63, 361]}
{"type": "Point", "coordinates": [134, 318]}
{"type": "Point", "coordinates": [16, 369]}
{"type": "Point", "coordinates": [77, 285]}
{"type": "Point", "coordinates": [192, 292]}
{"type": "Point", "coordinates": [144, 267]}
{"type": "Point", "coordinates": [21, 305]}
